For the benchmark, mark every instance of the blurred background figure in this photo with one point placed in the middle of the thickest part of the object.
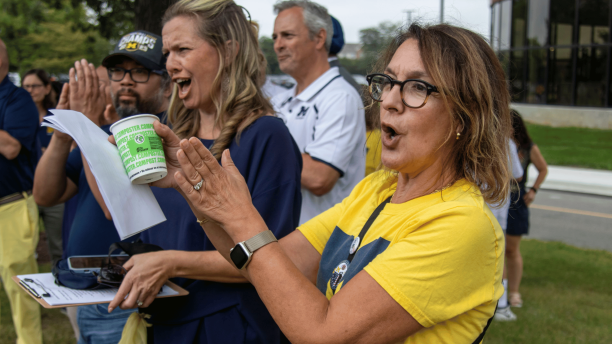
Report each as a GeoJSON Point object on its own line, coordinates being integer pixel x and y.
{"type": "Point", "coordinates": [337, 44]}
{"type": "Point", "coordinates": [38, 84]}
{"type": "Point", "coordinates": [19, 153]}
{"type": "Point", "coordinates": [518, 215]}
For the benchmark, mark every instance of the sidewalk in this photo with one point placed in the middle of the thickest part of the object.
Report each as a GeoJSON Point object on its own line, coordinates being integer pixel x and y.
{"type": "Point", "coordinates": [595, 182]}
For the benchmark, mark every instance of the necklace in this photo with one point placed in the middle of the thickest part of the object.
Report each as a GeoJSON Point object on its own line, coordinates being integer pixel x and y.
{"type": "Point", "coordinates": [433, 192]}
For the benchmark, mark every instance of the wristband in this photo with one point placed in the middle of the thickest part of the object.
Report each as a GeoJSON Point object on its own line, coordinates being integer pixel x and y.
{"type": "Point", "coordinates": [535, 190]}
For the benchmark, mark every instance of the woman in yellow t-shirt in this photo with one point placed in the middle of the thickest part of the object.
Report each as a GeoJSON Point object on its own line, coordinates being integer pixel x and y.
{"type": "Point", "coordinates": [413, 255]}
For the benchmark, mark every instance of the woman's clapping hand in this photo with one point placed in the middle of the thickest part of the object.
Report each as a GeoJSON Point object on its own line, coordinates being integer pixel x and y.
{"type": "Point", "coordinates": [223, 195]}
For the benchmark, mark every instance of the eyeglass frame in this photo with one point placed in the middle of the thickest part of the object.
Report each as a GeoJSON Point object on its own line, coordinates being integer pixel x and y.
{"type": "Point", "coordinates": [129, 71]}
{"type": "Point", "coordinates": [32, 86]}
{"type": "Point", "coordinates": [430, 88]}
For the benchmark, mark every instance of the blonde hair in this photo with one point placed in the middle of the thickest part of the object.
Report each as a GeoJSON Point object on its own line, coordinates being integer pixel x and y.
{"type": "Point", "coordinates": [472, 84]}
{"type": "Point", "coordinates": [235, 91]}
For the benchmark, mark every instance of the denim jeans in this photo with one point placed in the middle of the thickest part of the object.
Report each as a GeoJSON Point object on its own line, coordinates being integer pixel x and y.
{"type": "Point", "coordinates": [97, 326]}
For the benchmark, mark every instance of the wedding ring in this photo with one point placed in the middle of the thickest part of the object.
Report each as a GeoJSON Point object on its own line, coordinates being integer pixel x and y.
{"type": "Point", "coordinates": [198, 186]}
{"type": "Point", "coordinates": [139, 303]}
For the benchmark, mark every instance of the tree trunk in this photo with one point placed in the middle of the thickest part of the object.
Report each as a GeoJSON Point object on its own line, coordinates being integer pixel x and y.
{"type": "Point", "coordinates": [148, 14]}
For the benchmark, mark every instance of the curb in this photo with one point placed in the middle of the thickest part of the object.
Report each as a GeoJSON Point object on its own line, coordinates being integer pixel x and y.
{"type": "Point", "coordinates": [572, 179]}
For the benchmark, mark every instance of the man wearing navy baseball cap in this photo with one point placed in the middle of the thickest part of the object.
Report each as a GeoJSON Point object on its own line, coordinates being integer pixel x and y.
{"type": "Point", "coordinates": [139, 84]}
{"type": "Point", "coordinates": [136, 68]}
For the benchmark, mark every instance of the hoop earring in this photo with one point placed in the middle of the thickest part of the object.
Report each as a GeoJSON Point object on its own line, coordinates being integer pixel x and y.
{"type": "Point", "coordinates": [458, 134]}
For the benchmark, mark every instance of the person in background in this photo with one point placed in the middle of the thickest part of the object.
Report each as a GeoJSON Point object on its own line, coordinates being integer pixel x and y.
{"type": "Point", "coordinates": [518, 215]}
{"type": "Point", "coordinates": [38, 84]}
{"type": "Point", "coordinates": [19, 153]}
{"type": "Point", "coordinates": [110, 114]}
{"type": "Point", "coordinates": [373, 142]}
{"type": "Point", "coordinates": [337, 44]}
{"type": "Point", "coordinates": [500, 210]}
{"type": "Point", "coordinates": [139, 84]}
{"type": "Point", "coordinates": [219, 104]}
{"type": "Point", "coordinates": [323, 112]}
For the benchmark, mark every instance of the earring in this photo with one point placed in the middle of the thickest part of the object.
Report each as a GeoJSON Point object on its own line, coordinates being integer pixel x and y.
{"type": "Point", "coordinates": [458, 134]}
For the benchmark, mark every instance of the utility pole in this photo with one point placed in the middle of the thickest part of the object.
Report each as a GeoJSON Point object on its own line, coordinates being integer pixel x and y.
{"type": "Point", "coordinates": [409, 12]}
{"type": "Point", "coordinates": [441, 11]}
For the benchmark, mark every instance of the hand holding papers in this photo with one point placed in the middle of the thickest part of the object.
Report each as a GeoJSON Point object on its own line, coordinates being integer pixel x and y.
{"type": "Point", "coordinates": [133, 207]}
{"type": "Point", "coordinates": [43, 288]}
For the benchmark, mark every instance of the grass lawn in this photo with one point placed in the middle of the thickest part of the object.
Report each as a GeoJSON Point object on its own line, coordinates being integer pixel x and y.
{"type": "Point", "coordinates": [580, 147]}
{"type": "Point", "coordinates": [55, 325]}
{"type": "Point", "coordinates": [567, 295]}
{"type": "Point", "coordinates": [566, 291]}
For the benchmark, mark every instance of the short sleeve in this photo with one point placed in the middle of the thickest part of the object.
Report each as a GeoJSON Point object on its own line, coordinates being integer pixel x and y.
{"type": "Point", "coordinates": [318, 229]}
{"type": "Point", "coordinates": [444, 268]}
{"type": "Point", "coordinates": [21, 119]}
{"type": "Point", "coordinates": [338, 130]}
{"type": "Point", "coordinates": [74, 165]}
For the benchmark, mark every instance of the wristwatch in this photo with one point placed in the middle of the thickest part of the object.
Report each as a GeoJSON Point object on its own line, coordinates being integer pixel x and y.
{"type": "Point", "coordinates": [241, 253]}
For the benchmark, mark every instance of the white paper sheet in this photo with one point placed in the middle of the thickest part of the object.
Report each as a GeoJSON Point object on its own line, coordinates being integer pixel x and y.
{"type": "Point", "coordinates": [45, 284]}
{"type": "Point", "coordinates": [133, 207]}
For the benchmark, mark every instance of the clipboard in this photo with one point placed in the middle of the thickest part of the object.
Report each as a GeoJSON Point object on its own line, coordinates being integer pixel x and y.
{"type": "Point", "coordinates": [41, 300]}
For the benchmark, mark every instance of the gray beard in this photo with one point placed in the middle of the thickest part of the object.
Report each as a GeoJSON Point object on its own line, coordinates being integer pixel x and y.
{"type": "Point", "coordinates": [151, 105]}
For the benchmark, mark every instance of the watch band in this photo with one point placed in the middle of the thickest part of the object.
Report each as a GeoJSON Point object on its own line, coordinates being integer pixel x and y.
{"type": "Point", "coordinates": [260, 240]}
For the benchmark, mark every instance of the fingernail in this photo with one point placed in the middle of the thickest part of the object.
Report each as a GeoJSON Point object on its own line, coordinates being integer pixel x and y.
{"type": "Point", "coordinates": [110, 309]}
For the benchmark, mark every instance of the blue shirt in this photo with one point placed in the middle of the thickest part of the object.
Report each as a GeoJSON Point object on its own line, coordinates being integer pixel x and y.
{"type": "Point", "coordinates": [269, 160]}
{"type": "Point", "coordinates": [45, 133]}
{"type": "Point", "coordinates": [18, 117]}
{"type": "Point", "coordinates": [91, 233]}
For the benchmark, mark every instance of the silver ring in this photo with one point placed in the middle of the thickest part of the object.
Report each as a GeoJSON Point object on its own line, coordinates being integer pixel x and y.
{"type": "Point", "coordinates": [139, 303]}
{"type": "Point", "coordinates": [198, 186]}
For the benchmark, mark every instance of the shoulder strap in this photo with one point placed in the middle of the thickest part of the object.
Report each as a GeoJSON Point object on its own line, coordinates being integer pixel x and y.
{"type": "Point", "coordinates": [484, 330]}
{"type": "Point", "coordinates": [367, 225]}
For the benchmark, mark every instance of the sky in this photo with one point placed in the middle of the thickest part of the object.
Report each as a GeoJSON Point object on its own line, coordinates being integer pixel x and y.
{"type": "Point", "coordinates": [355, 15]}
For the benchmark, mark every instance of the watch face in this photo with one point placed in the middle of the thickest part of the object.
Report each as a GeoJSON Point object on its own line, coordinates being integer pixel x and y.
{"type": "Point", "coordinates": [239, 256]}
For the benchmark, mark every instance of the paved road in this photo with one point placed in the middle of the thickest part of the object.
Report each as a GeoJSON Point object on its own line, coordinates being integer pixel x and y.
{"type": "Point", "coordinates": [577, 219]}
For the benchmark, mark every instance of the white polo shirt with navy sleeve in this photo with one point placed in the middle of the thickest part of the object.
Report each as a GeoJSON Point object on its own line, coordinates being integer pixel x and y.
{"type": "Point", "coordinates": [327, 122]}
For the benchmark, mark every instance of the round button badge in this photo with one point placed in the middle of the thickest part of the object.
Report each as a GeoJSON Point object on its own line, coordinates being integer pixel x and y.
{"type": "Point", "coordinates": [354, 245]}
{"type": "Point", "coordinates": [338, 273]}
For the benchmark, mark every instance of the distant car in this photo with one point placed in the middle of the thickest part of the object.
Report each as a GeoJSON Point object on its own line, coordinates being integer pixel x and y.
{"type": "Point", "coordinates": [15, 79]}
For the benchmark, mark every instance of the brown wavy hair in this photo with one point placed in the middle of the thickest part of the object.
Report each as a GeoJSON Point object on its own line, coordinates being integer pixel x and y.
{"type": "Point", "coordinates": [235, 91]}
{"type": "Point", "coordinates": [473, 87]}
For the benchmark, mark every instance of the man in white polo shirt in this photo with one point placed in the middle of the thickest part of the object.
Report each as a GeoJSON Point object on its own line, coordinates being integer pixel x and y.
{"type": "Point", "coordinates": [323, 112]}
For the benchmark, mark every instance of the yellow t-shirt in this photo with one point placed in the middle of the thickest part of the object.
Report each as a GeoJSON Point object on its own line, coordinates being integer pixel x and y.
{"type": "Point", "coordinates": [439, 256]}
{"type": "Point", "coordinates": [373, 151]}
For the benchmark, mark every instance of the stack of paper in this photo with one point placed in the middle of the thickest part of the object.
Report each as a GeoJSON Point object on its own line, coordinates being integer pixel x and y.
{"type": "Point", "coordinates": [133, 207]}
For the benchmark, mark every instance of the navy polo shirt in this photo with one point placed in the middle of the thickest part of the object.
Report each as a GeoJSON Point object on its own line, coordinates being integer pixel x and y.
{"type": "Point", "coordinates": [45, 133]}
{"type": "Point", "coordinates": [18, 117]}
{"type": "Point", "coordinates": [269, 160]}
{"type": "Point", "coordinates": [91, 233]}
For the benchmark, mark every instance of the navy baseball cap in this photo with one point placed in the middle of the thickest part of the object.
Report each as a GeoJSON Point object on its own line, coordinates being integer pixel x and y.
{"type": "Point", "coordinates": [141, 46]}
{"type": "Point", "coordinates": [338, 37]}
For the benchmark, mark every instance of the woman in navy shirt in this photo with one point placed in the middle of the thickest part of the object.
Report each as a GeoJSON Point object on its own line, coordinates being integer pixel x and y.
{"type": "Point", "coordinates": [215, 61]}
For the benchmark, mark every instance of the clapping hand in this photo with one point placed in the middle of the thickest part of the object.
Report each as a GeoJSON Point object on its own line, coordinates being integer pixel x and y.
{"type": "Point", "coordinates": [86, 95]}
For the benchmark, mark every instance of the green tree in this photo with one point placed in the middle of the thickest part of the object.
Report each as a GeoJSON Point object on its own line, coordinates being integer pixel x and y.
{"type": "Point", "coordinates": [266, 45]}
{"type": "Point", "coordinates": [49, 34]}
{"type": "Point", "coordinates": [375, 39]}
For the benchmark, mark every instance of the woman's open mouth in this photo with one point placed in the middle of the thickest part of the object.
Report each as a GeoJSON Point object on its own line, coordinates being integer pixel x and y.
{"type": "Point", "coordinates": [184, 85]}
{"type": "Point", "coordinates": [389, 135]}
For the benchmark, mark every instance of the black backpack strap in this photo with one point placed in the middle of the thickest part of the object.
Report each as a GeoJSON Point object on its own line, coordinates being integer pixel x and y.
{"type": "Point", "coordinates": [479, 339]}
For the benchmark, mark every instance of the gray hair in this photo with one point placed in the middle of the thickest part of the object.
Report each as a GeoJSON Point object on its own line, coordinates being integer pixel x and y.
{"type": "Point", "coordinates": [316, 17]}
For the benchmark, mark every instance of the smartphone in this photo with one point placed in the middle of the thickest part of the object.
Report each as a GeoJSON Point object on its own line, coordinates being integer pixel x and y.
{"type": "Point", "coordinates": [94, 263]}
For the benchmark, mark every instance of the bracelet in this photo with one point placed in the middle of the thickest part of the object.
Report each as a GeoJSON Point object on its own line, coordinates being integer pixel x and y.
{"type": "Point", "coordinates": [202, 222]}
{"type": "Point", "coordinates": [535, 190]}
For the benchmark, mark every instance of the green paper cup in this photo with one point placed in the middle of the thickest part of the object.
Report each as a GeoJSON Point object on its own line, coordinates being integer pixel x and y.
{"type": "Point", "coordinates": [140, 148]}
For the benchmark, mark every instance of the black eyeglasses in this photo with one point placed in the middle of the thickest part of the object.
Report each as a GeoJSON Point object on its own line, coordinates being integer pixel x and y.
{"type": "Point", "coordinates": [414, 92]}
{"type": "Point", "coordinates": [111, 274]}
{"type": "Point", "coordinates": [140, 75]}
{"type": "Point", "coordinates": [33, 86]}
